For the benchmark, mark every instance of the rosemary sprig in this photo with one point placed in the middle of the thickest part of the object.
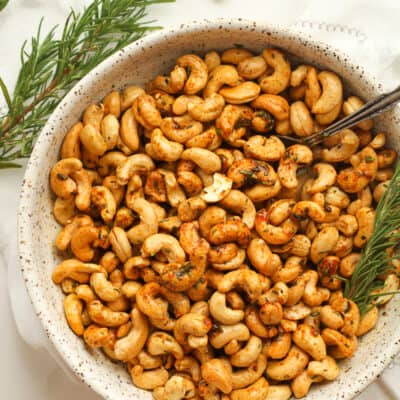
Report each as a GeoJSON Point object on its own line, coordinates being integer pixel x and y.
{"type": "Point", "coordinates": [3, 3]}
{"type": "Point", "coordinates": [52, 66]}
{"type": "Point", "coordinates": [375, 260]}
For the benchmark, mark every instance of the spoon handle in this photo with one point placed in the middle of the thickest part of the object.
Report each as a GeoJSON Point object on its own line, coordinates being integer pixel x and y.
{"type": "Point", "coordinates": [369, 110]}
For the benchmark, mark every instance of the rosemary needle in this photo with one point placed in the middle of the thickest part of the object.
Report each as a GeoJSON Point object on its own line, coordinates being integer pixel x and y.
{"type": "Point", "coordinates": [51, 66]}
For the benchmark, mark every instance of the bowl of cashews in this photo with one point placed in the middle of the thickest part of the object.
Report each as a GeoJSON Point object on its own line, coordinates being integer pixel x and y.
{"type": "Point", "coordinates": [173, 246]}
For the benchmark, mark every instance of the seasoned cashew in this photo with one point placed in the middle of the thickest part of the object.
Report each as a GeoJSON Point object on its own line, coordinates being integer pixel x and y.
{"type": "Point", "coordinates": [64, 210]}
{"type": "Point", "coordinates": [120, 243]}
{"type": "Point", "coordinates": [218, 190]}
{"type": "Point", "coordinates": [175, 194]}
{"type": "Point", "coordinates": [103, 287]}
{"type": "Point", "coordinates": [235, 55]}
{"type": "Point", "coordinates": [227, 333]}
{"type": "Point", "coordinates": [104, 200]}
{"type": "Point", "coordinates": [192, 325]}
{"type": "Point", "coordinates": [190, 365]}
{"type": "Point", "coordinates": [129, 346]}
{"type": "Point", "coordinates": [380, 190]}
{"type": "Point", "coordinates": [265, 149]}
{"type": "Point", "coordinates": [332, 93]}
{"type": "Point", "coordinates": [205, 159]}
{"type": "Point", "coordinates": [238, 202]}
{"type": "Point", "coordinates": [279, 346]}
{"type": "Point", "coordinates": [135, 164]}
{"type": "Point", "coordinates": [71, 144]}
{"type": "Point", "coordinates": [323, 243]}
{"type": "Point", "coordinates": [366, 221]}
{"type": "Point", "coordinates": [164, 149]}
{"type": "Point", "coordinates": [109, 161]}
{"type": "Point", "coordinates": [110, 130]}
{"type": "Point", "coordinates": [65, 235]}
{"type": "Point", "coordinates": [261, 257]}
{"type": "Point", "coordinates": [246, 376]}
{"type": "Point", "coordinates": [210, 217]}
{"type": "Point", "coordinates": [190, 209]}
{"type": "Point", "coordinates": [60, 177]}
{"type": "Point", "coordinates": [289, 367]}
{"type": "Point", "coordinates": [92, 140]}
{"type": "Point", "coordinates": [198, 75]}
{"type": "Point", "coordinates": [275, 105]}
{"type": "Point", "coordinates": [252, 67]}
{"type": "Point", "coordinates": [220, 76]}
{"type": "Point", "coordinates": [326, 368]}
{"type": "Point", "coordinates": [161, 343]}
{"type": "Point", "coordinates": [167, 244]}
{"type": "Point", "coordinates": [74, 269]}
{"type": "Point", "coordinates": [240, 94]}
{"type": "Point", "coordinates": [212, 60]}
{"type": "Point", "coordinates": [150, 379]}
{"type": "Point", "coordinates": [391, 285]}
{"type": "Point", "coordinates": [172, 84]}
{"type": "Point", "coordinates": [73, 312]}
{"type": "Point", "coordinates": [279, 392]}
{"type": "Point", "coordinates": [245, 278]}
{"type": "Point", "coordinates": [182, 276]}
{"type": "Point", "coordinates": [96, 336]}
{"type": "Point", "coordinates": [256, 391]}
{"type": "Point", "coordinates": [309, 340]}
{"type": "Point", "coordinates": [177, 388]}
{"type": "Point", "coordinates": [82, 240]}
{"type": "Point", "coordinates": [325, 178]}
{"type": "Point", "coordinates": [148, 221]}
{"type": "Point", "coordinates": [279, 80]}
{"type": "Point", "coordinates": [249, 354]}
{"type": "Point", "coordinates": [221, 312]}
{"type": "Point", "coordinates": [344, 347]}
{"type": "Point", "coordinates": [275, 235]}
{"type": "Point", "coordinates": [104, 316]}
{"type": "Point", "coordinates": [217, 373]}
{"type": "Point", "coordinates": [234, 230]}
{"type": "Point", "coordinates": [300, 119]}
{"type": "Point", "coordinates": [351, 105]}
{"type": "Point", "coordinates": [145, 111]}
{"type": "Point", "coordinates": [356, 178]}
{"type": "Point", "coordinates": [208, 109]}
{"type": "Point", "coordinates": [295, 155]}
{"type": "Point", "coordinates": [368, 321]}
{"type": "Point", "coordinates": [342, 151]}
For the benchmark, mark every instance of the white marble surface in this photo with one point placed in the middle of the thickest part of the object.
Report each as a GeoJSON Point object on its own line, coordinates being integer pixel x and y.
{"type": "Point", "coordinates": [28, 373]}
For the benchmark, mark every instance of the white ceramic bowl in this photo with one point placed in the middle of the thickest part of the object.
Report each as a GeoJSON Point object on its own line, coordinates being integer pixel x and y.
{"type": "Point", "coordinates": [136, 64]}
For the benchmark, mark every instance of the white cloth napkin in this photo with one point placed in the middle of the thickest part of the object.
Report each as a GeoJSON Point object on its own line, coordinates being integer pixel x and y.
{"type": "Point", "coordinates": [366, 30]}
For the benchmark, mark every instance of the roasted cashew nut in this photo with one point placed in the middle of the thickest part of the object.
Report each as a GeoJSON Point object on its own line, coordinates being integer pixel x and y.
{"type": "Point", "coordinates": [244, 278]}
{"type": "Point", "coordinates": [130, 346]}
{"type": "Point", "coordinates": [289, 367]}
{"type": "Point", "coordinates": [60, 181]}
{"type": "Point", "coordinates": [198, 75]}
{"type": "Point", "coordinates": [279, 80]}
{"type": "Point", "coordinates": [136, 164]}
{"type": "Point", "coordinates": [148, 221]}
{"type": "Point", "coordinates": [217, 373]}
{"type": "Point", "coordinates": [161, 343]}
{"type": "Point", "coordinates": [296, 155]}
{"type": "Point", "coordinates": [332, 93]}
{"type": "Point", "coordinates": [221, 312]}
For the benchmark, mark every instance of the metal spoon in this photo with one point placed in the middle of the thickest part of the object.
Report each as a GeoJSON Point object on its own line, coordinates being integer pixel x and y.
{"type": "Point", "coordinates": [369, 110]}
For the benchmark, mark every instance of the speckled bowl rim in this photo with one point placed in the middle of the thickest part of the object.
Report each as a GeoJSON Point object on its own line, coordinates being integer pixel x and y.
{"type": "Point", "coordinates": [25, 243]}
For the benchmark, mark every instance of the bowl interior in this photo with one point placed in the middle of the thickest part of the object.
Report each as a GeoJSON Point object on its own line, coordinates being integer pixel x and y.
{"type": "Point", "coordinates": [136, 64]}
